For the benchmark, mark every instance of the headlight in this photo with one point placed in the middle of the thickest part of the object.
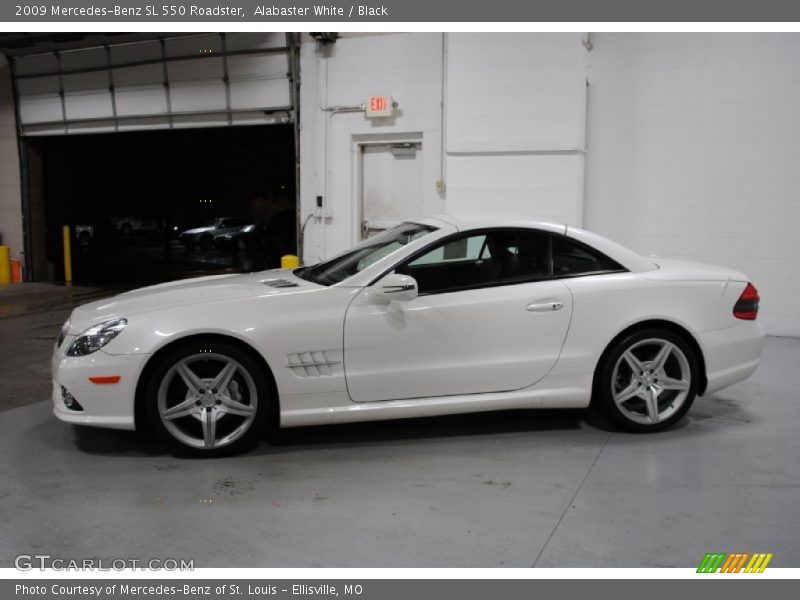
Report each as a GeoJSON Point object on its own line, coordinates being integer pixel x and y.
{"type": "Point", "coordinates": [62, 334]}
{"type": "Point", "coordinates": [96, 337]}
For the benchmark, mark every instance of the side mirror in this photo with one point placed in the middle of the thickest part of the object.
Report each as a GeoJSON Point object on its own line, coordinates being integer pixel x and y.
{"type": "Point", "coordinates": [396, 287]}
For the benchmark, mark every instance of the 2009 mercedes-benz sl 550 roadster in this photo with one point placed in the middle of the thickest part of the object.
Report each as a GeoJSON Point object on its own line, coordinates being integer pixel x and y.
{"type": "Point", "coordinates": [437, 316]}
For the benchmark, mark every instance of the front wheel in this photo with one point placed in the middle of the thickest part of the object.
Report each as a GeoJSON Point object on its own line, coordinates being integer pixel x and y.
{"type": "Point", "coordinates": [208, 398]}
{"type": "Point", "coordinates": [648, 380]}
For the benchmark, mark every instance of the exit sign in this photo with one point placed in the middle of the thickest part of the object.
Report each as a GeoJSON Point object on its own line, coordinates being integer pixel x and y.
{"type": "Point", "coordinates": [380, 106]}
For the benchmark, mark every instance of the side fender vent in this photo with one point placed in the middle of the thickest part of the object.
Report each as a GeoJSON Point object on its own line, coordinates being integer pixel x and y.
{"type": "Point", "coordinates": [316, 363]}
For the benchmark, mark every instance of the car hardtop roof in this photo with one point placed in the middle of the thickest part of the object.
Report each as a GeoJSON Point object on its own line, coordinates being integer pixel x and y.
{"type": "Point", "coordinates": [631, 260]}
{"type": "Point", "coordinates": [467, 221]}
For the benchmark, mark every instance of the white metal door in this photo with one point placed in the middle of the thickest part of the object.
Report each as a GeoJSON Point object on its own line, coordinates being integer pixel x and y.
{"type": "Point", "coordinates": [391, 185]}
{"type": "Point", "coordinates": [474, 341]}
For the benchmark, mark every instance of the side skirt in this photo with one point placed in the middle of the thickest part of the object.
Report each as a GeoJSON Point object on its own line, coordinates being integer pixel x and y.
{"type": "Point", "coordinates": [298, 410]}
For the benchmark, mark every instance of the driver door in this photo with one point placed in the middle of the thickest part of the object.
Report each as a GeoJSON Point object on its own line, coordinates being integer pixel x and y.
{"type": "Point", "coordinates": [488, 318]}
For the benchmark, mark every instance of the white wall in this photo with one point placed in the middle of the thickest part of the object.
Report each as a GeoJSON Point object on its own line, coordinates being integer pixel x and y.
{"type": "Point", "coordinates": [514, 123]}
{"type": "Point", "coordinates": [10, 198]}
{"type": "Point", "coordinates": [405, 66]}
{"type": "Point", "coordinates": [693, 152]}
{"type": "Point", "coordinates": [516, 108]}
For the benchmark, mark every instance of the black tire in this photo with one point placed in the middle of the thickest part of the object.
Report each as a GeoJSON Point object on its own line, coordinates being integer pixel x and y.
{"type": "Point", "coordinates": [203, 354]}
{"type": "Point", "coordinates": [612, 380]}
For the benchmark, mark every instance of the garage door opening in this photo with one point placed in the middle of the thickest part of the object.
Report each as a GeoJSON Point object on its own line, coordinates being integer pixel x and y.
{"type": "Point", "coordinates": [152, 206]}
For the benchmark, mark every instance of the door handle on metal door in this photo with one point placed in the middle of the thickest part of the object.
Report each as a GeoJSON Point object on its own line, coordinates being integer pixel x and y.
{"type": "Point", "coordinates": [544, 306]}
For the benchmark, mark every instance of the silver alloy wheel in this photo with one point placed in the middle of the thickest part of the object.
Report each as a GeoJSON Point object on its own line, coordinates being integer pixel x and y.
{"type": "Point", "coordinates": [229, 394]}
{"type": "Point", "coordinates": [651, 381]}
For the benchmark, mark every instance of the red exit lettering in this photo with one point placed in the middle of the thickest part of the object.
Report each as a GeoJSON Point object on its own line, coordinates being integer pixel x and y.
{"type": "Point", "coordinates": [379, 106]}
{"type": "Point", "coordinates": [378, 103]}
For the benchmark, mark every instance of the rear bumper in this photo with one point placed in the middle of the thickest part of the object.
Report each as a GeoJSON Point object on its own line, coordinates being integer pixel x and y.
{"type": "Point", "coordinates": [731, 354]}
{"type": "Point", "coordinates": [103, 405]}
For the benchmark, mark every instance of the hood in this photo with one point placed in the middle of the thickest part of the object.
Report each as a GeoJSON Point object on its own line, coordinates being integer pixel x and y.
{"type": "Point", "coordinates": [188, 292]}
{"type": "Point", "coordinates": [684, 270]}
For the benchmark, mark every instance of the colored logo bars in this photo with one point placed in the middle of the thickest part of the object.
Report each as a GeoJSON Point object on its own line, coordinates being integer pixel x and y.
{"type": "Point", "coordinates": [714, 562]}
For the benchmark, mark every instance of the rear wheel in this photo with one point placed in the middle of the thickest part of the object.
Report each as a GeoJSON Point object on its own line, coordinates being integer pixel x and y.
{"type": "Point", "coordinates": [208, 398]}
{"type": "Point", "coordinates": [648, 381]}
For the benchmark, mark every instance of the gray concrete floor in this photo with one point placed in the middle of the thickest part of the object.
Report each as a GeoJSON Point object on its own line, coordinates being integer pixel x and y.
{"type": "Point", "coordinates": [31, 315]}
{"type": "Point", "coordinates": [550, 488]}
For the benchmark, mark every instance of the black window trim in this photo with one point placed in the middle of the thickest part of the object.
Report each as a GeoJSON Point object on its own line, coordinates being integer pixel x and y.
{"type": "Point", "coordinates": [469, 233]}
{"type": "Point", "coordinates": [619, 268]}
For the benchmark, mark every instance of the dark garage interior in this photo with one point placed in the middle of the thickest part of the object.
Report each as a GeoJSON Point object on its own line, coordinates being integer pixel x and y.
{"type": "Point", "coordinates": [127, 198]}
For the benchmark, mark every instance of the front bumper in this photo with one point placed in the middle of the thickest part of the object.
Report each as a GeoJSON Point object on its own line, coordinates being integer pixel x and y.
{"type": "Point", "coordinates": [103, 405]}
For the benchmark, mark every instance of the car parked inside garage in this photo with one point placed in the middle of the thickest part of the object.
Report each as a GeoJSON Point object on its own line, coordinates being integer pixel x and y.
{"type": "Point", "coordinates": [271, 240]}
{"type": "Point", "coordinates": [437, 316]}
{"type": "Point", "coordinates": [203, 236]}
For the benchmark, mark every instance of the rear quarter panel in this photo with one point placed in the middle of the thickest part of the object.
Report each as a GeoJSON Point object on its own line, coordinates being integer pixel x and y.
{"type": "Point", "coordinates": [606, 305]}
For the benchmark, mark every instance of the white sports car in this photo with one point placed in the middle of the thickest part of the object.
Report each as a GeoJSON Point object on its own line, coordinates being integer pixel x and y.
{"type": "Point", "coordinates": [436, 316]}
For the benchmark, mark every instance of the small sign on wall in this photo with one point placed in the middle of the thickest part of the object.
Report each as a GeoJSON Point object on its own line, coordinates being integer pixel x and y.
{"type": "Point", "coordinates": [380, 106]}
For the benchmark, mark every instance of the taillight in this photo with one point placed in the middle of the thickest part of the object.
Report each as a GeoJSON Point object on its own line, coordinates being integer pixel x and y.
{"type": "Point", "coordinates": [746, 306]}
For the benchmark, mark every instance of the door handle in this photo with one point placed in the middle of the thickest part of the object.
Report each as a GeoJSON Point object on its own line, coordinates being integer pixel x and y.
{"type": "Point", "coordinates": [545, 306]}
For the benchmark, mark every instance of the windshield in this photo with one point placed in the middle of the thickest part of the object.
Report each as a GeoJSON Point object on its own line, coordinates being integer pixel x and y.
{"type": "Point", "coordinates": [361, 256]}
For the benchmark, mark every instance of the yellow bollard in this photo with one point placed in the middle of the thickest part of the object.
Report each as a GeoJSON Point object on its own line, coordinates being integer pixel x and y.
{"type": "Point", "coordinates": [5, 265]}
{"type": "Point", "coordinates": [290, 261]}
{"type": "Point", "coordinates": [67, 256]}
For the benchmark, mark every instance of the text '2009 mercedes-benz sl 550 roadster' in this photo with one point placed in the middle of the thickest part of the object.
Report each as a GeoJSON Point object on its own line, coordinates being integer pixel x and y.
{"type": "Point", "coordinates": [436, 316]}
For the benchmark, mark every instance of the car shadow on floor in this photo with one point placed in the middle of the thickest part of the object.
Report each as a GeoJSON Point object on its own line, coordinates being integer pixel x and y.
{"type": "Point", "coordinates": [128, 443]}
{"type": "Point", "coordinates": [713, 409]}
{"type": "Point", "coordinates": [431, 428]}
{"type": "Point", "coordinates": [113, 442]}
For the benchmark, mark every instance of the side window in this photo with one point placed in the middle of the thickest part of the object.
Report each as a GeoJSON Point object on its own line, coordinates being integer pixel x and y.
{"type": "Point", "coordinates": [470, 248]}
{"type": "Point", "coordinates": [571, 259]}
{"type": "Point", "coordinates": [484, 259]}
